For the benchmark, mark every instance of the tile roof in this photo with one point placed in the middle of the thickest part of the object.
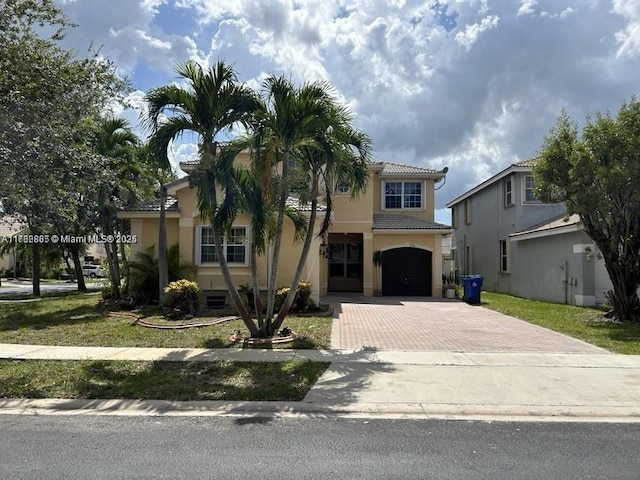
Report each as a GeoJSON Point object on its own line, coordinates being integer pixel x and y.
{"type": "Point", "coordinates": [295, 203]}
{"type": "Point", "coordinates": [397, 221]}
{"type": "Point", "coordinates": [395, 168]}
{"type": "Point", "coordinates": [529, 162]}
{"type": "Point", "coordinates": [154, 206]}
{"type": "Point", "coordinates": [172, 206]}
{"type": "Point", "coordinates": [559, 222]}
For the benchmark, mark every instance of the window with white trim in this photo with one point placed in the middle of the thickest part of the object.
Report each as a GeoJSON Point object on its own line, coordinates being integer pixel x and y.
{"type": "Point", "coordinates": [402, 195]}
{"type": "Point", "coordinates": [528, 189]}
{"type": "Point", "coordinates": [235, 246]}
{"type": "Point", "coordinates": [342, 189]}
{"type": "Point", "coordinates": [507, 189]}
{"type": "Point", "coordinates": [504, 256]}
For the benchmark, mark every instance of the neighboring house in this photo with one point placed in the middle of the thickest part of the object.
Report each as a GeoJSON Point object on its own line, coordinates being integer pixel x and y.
{"type": "Point", "coordinates": [394, 216]}
{"type": "Point", "coordinates": [9, 228]}
{"type": "Point", "coordinates": [523, 246]}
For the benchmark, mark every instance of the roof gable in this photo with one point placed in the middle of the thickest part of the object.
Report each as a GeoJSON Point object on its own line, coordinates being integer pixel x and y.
{"type": "Point", "coordinates": [521, 166]}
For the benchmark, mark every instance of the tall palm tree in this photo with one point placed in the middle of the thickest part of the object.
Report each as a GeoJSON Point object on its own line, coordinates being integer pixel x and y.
{"type": "Point", "coordinates": [338, 155]}
{"type": "Point", "coordinates": [211, 102]}
{"type": "Point", "coordinates": [290, 120]}
{"type": "Point", "coordinates": [115, 140]}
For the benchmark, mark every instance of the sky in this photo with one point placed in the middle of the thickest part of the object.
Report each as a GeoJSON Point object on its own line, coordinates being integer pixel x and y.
{"type": "Point", "coordinates": [472, 85]}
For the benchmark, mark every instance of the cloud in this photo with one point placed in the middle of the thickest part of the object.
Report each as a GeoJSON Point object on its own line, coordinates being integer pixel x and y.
{"type": "Point", "coordinates": [471, 84]}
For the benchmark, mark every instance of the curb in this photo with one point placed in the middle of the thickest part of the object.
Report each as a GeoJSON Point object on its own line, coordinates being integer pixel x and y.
{"type": "Point", "coordinates": [161, 408]}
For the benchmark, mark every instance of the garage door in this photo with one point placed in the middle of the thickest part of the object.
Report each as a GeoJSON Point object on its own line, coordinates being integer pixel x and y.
{"type": "Point", "coordinates": [406, 272]}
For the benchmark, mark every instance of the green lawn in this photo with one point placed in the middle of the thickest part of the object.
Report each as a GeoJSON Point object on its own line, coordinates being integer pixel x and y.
{"type": "Point", "coordinates": [78, 320]}
{"type": "Point", "coordinates": [238, 381]}
{"type": "Point", "coordinates": [587, 324]}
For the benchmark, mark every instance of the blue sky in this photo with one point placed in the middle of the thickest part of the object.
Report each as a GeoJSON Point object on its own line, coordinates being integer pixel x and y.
{"type": "Point", "coordinates": [470, 84]}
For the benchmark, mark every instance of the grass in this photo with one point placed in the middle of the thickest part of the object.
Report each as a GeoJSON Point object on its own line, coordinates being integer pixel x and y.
{"type": "Point", "coordinates": [78, 320]}
{"type": "Point", "coordinates": [584, 323]}
{"type": "Point", "coordinates": [53, 294]}
{"type": "Point", "coordinates": [233, 381]}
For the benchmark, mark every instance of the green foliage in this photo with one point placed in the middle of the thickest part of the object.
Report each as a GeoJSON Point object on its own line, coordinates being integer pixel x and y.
{"type": "Point", "coordinates": [144, 275]}
{"type": "Point", "coordinates": [596, 173]}
{"type": "Point", "coordinates": [301, 298]}
{"type": "Point", "coordinates": [183, 295]}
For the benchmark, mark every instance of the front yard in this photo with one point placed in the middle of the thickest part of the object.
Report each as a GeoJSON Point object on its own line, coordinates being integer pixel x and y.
{"type": "Point", "coordinates": [79, 321]}
{"type": "Point", "coordinates": [586, 324]}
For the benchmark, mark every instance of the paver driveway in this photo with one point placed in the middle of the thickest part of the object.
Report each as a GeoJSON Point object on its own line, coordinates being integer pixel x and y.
{"type": "Point", "coordinates": [432, 324]}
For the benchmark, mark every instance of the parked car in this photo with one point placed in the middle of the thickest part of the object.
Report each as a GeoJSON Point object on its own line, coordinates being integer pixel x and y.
{"type": "Point", "coordinates": [93, 271]}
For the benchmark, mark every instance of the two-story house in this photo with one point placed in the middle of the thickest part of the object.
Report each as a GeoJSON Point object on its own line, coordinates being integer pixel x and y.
{"type": "Point", "coordinates": [523, 246]}
{"type": "Point", "coordinates": [383, 242]}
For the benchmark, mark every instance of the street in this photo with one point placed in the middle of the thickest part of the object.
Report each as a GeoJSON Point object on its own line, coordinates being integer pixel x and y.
{"type": "Point", "coordinates": [15, 287]}
{"type": "Point", "coordinates": [88, 447]}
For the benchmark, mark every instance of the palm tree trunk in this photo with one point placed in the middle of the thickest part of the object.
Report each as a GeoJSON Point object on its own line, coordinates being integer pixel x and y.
{"type": "Point", "coordinates": [257, 301]}
{"type": "Point", "coordinates": [222, 261]}
{"type": "Point", "coordinates": [163, 267]}
{"type": "Point", "coordinates": [286, 305]}
{"type": "Point", "coordinates": [282, 203]}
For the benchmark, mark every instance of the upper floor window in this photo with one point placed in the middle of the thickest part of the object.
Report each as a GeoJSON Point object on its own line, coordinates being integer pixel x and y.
{"type": "Point", "coordinates": [234, 246]}
{"type": "Point", "coordinates": [342, 189]}
{"type": "Point", "coordinates": [402, 194]}
{"type": "Point", "coordinates": [528, 190]}
{"type": "Point", "coordinates": [507, 189]}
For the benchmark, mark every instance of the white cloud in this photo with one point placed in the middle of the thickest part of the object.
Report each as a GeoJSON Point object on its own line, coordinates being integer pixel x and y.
{"type": "Point", "coordinates": [473, 84]}
{"type": "Point", "coordinates": [470, 34]}
{"type": "Point", "coordinates": [629, 37]}
{"type": "Point", "coordinates": [527, 7]}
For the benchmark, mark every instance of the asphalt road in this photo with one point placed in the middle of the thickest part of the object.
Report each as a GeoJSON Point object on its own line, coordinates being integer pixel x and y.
{"type": "Point", "coordinates": [11, 287]}
{"type": "Point", "coordinates": [300, 448]}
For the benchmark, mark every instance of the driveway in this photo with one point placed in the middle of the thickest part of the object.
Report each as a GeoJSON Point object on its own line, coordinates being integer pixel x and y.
{"type": "Point", "coordinates": [438, 324]}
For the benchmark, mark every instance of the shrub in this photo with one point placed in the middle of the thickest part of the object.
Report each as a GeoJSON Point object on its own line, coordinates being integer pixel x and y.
{"type": "Point", "coordinates": [301, 299]}
{"type": "Point", "coordinates": [183, 295]}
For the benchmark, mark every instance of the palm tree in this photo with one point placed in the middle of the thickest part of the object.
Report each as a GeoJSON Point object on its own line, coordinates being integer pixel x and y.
{"type": "Point", "coordinates": [289, 121]}
{"type": "Point", "coordinates": [115, 140]}
{"type": "Point", "coordinates": [210, 103]}
{"type": "Point", "coordinates": [338, 155]}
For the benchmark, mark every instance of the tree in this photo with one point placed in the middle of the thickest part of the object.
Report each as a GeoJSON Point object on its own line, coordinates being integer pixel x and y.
{"type": "Point", "coordinates": [46, 95]}
{"type": "Point", "coordinates": [212, 102]}
{"type": "Point", "coordinates": [596, 172]}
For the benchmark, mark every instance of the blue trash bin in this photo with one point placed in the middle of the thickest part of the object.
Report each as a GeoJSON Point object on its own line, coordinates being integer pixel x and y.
{"type": "Point", "coordinates": [465, 287]}
{"type": "Point", "coordinates": [473, 287]}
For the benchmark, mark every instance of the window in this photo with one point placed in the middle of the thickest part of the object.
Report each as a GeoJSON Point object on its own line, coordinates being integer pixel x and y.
{"type": "Point", "coordinates": [402, 194]}
{"type": "Point", "coordinates": [507, 187]}
{"type": "Point", "coordinates": [234, 246]}
{"type": "Point", "coordinates": [345, 260]}
{"type": "Point", "coordinates": [467, 211]}
{"type": "Point", "coordinates": [454, 216]}
{"type": "Point", "coordinates": [504, 256]}
{"type": "Point", "coordinates": [342, 189]}
{"type": "Point", "coordinates": [528, 189]}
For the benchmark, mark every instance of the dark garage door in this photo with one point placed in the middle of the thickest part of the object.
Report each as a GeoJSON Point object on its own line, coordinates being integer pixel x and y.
{"type": "Point", "coordinates": [406, 272]}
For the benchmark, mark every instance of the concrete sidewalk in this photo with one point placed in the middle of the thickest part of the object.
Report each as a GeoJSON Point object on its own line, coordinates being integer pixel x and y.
{"type": "Point", "coordinates": [393, 384]}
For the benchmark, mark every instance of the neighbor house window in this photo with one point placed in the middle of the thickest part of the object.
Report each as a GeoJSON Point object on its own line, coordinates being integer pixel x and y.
{"type": "Point", "coordinates": [402, 194]}
{"type": "Point", "coordinates": [507, 187]}
{"type": "Point", "coordinates": [504, 256]}
{"type": "Point", "coordinates": [454, 217]}
{"type": "Point", "coordinates": [528, 190]}
{"type": "Point", "coordinates": [234, 246]}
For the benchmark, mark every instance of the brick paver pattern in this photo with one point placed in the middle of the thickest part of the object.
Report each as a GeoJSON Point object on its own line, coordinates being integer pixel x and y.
{"type": "Point", "coordinates": [440, 324]}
